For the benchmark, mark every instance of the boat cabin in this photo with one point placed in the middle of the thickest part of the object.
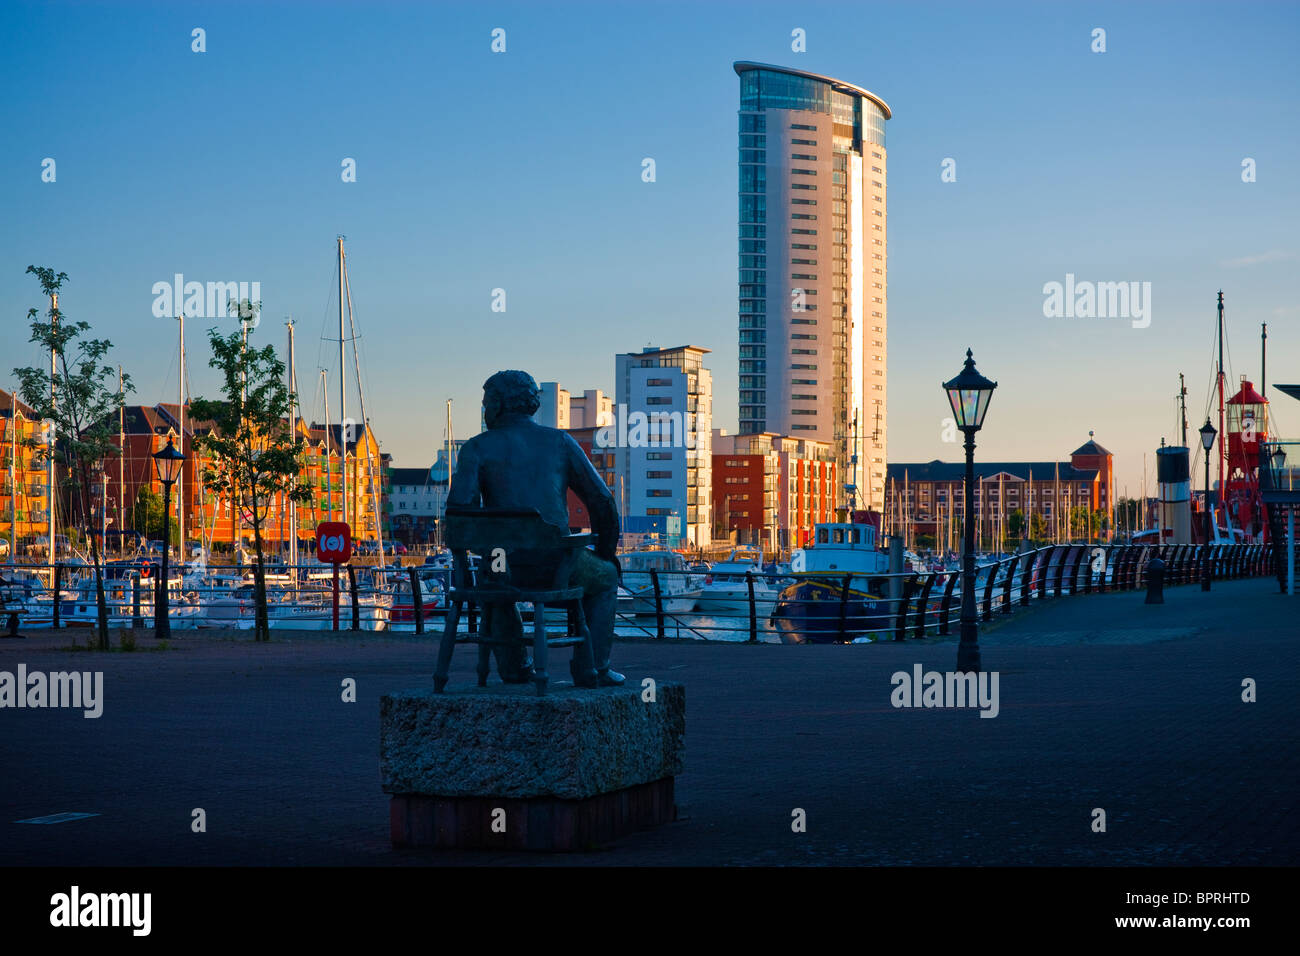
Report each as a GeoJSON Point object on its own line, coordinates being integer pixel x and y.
{"type": "Point", "coordinates": [851, 536]}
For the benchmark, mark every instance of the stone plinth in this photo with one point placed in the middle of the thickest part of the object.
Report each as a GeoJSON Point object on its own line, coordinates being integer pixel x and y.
{"type": "Point", "coordinates": [501, 767]}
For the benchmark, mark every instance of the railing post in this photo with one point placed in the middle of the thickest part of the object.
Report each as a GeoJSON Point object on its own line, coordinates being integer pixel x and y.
{"type": "Point", "coordinates": [923, 605]}
{"type": "Point", "coordinates": [356, 604]}
{"type": "Point", "coordinates": [946, 607]}
{"type": "Point", "coordinates": [57, 578]}
{"type": "Point", "coordinates": [844, 605]}
{"type": "Point", "coordinates": [417, 600]}
{"type": "Point", "coordinates": [659, 604]}
{"type": "Point", "coordinates": [1060, 571]}
{"type": "Point", "coordinates": [900, 624]}
{"type": "Point", "coordinates": [1079, 552]}
{"type": "Point", "coordinates": [1027, 576]}
{"type": "Point", "coordinates": [988, 591]}
{"type": "Point", "coordinates": [1011, 583]}
{"type": "Point", "coordinates": [136, 620]}
{"type": "Point", "coordinates": [753, 611]}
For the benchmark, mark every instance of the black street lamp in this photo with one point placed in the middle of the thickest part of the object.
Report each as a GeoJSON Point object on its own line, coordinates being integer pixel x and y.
{"type": "Point", "coordinates": [1208, 432]}
{"type": "Point", "coordinates": [969, 394]}
{"type": "Point", "coordinates": [167, 463]}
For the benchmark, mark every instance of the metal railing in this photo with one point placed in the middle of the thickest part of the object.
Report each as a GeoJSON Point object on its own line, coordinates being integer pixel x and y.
{"type": "Point", "coordinates": [809, 607]}
{"type": "Point", "coordinates": [835, 607]}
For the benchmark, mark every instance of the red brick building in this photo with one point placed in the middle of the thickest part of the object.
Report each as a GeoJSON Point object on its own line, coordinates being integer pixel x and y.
{"type": "Point", "coordinates": [770, 490]}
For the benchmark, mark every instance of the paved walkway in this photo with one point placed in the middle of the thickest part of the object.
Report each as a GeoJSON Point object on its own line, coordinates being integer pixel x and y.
{"type": "Point", "coordinates": [1104, 702]}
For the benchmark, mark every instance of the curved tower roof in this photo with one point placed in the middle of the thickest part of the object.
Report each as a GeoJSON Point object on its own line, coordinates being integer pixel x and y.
{"type": "Point", "coordinates": [745, 66]}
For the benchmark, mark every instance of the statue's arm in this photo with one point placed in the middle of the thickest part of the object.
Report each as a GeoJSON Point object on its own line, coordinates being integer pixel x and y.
{"type": "Point", "coordinates": [590, 488]}
{"type": "Point", "coordinates": [465, 491]}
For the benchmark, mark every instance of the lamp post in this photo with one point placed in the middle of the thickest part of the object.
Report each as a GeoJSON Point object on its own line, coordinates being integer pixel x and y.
{"type": "Point", "coordinates": [969, 394]}
{"type": "Point", "coordinates": [1208, 432]}
{"type": "Point", "coordinates": [167, 463]}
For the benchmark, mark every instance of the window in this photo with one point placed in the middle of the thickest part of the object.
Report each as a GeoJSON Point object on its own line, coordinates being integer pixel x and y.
{"type": "Point", "coordinates": [803, 381]}
{"type": "Point", "coordinates": [793, 215]}
{"type": "Point", "coordinates": [659, 456]}
{"type": "Point", "coordinates": [877, 185]}
{"type": "Point", "coordinates": [875, 169]}
{"type": "Point", "coordinates": [803, 411]}
{"type": "Point", "coordinates": [803, 142]}
{"type": "Point", "coordinates": [658, 474]}
{"type": "Point", "coordinates": [802, 186]}
{"type": "Point", "coordinates": [797, 398]}
{"type": "Point", "coordinates": [793, 275]}
{"type": "Point", "coordinates": [803, 156]}
{"type": "Point", "coordinates": [793, 335]}
{"type": "Point", "coordinates": [659, 493]}
{"type": "Point", "coordinates": [803, 232]}
{"type": "Point", "coordinates": [655, 400]}
{"type": "Point", "coordinates": [803, 428]}
{"type": "Point", "coordinates": [800, 262]}
{"type": "Point", "coordinates": [793, 202]}
{"type": "Point", "coordinates": [803, 245]}
{"type": "Point", "coordinates": [804, 368]}
{"type": "Point", "coordinates": [795, 171]}
{"type": "Point", "coordinates": [792, 126]}
{"type": "Point", "coordinates": [803, 321]}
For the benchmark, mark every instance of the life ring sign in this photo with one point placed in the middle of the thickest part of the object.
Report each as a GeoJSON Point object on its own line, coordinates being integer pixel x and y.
{"type": "Point", "coordinates": [334, 541]}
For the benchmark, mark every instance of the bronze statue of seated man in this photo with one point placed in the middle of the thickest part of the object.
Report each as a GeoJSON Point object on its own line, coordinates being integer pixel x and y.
{"type": "Point", "coordinates": [518, 463]}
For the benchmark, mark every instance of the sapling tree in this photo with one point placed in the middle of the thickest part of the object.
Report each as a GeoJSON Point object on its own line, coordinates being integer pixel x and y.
{"type": "Point", "coordinates": [79, 399]}
{"type": "Point", "coordinates": [248, 454]}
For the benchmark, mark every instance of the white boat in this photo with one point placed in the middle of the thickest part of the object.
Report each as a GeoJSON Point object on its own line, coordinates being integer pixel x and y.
{"type": "Point", "coordinates": [725, 589]}
{"type": "Point", "coordinates": [678, 591]}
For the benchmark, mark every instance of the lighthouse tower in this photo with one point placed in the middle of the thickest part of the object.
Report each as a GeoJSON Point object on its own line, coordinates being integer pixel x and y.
{"type": "Point", "coordinates": [1247, 428]}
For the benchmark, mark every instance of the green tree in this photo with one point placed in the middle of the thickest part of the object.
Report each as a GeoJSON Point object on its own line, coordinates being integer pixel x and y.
{"type": "Point", "coordinates": [251, 456]}
{"type": "Point", "coordinates": [79, 397]}
{"type": "Point", "coordinates": [146, 516]}
{"type": "Point", "coordinates": [1038, 529]}
{"type": "Point", "coordinates": [1016, 524]}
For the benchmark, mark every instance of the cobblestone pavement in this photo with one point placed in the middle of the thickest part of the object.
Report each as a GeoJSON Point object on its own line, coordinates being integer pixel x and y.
{"type": "Point", "coordinates": [1104, 702]}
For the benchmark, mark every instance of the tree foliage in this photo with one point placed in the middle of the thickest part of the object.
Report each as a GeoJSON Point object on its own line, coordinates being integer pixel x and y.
{"type": "Point", "coordinates": [79, 399]}
{"type": "Point", "coordinates": [251, 457]}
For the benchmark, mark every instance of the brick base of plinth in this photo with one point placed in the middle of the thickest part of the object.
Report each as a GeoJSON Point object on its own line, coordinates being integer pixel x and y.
{"type": "Point", "coordinates": [546, 824]}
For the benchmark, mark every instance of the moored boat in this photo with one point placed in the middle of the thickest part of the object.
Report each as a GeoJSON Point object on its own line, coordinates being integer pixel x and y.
{"type": "Point", "coordinates": [816, 609]}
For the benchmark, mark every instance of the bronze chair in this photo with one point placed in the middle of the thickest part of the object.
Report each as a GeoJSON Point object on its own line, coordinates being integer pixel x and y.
{"type": "Point", "coordinates": [522, 559]}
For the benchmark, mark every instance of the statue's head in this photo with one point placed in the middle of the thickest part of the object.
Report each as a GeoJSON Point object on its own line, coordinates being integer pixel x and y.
{"type": "Point", "coordinates": [509, 393]}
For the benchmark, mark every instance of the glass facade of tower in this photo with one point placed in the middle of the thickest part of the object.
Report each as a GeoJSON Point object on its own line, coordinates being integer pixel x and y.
{"type": "Point", "coordinates": [811, 263]}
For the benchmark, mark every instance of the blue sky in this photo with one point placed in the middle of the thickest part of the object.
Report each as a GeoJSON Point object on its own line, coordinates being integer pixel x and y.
{"type": "Point", "coordinates": [522, 170]}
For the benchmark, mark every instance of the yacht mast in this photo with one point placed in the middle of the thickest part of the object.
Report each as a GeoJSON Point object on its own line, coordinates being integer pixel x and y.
{"type": "Point", "coordinates": [329, 472]}
{"type": "Point", "coordinates": [54, 321]}
{"type": "Point", "coordinates": [365, 433]}
{"type": "Point", "coordinates": [343, 394]}
{"type": "Point", "coordinates": [13, 474]}
{"type": "Point", "coordinates": [121, 460]}
{"type": "Point", "coordinates": [180, 475]}
{"type": "Point", "coordinates": [293, 436]}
